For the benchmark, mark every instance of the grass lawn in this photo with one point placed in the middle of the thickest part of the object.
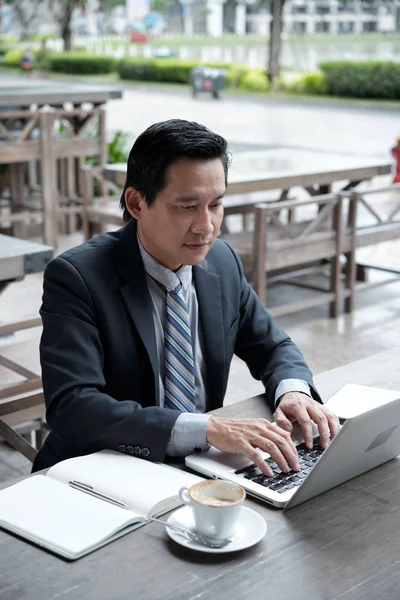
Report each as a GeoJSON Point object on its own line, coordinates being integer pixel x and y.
{"type": "Point", "coordinates": [234, 40]}
{"type": "Point", "coordinates": [174, 41]}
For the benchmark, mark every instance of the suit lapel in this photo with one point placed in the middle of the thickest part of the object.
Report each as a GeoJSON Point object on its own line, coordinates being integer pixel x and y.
{"type": "Point", "coordinates": [136, 295]}
{"type": "Point", "coordinates": [208, 289]}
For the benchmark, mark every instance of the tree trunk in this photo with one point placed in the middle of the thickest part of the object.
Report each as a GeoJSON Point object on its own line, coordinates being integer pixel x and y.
{"type": "Point", "coordinates": [65, 22]}
{"type": "Point", "coordinates": [67, 37]}
{"type": "Point", "coordinates": [275, 40]}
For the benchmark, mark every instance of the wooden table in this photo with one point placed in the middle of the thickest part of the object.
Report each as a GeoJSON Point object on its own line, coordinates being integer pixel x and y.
{"type": "Point", "coordinates": [29, 136]}
{"type": "Point", "coordinates": [55, 94]}
{"type": "Point", "coordinates": [343, 544]}
{"type": "Point", "coordinates": [21, 257]}
{"type": "Point", "coordinates": [282, 169]}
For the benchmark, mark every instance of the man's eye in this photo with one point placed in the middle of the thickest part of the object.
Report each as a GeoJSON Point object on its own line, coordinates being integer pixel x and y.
{"type": "Point", "coordinates": [190, 207]}
{"type": "Point", "coordinates": [215, 206]}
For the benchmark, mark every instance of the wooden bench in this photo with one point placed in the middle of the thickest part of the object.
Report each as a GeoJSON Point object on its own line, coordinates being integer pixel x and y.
{"type": "Point", "coordinates": [279, 247]}
{"type": "Point", "coordinates": [374, 216]}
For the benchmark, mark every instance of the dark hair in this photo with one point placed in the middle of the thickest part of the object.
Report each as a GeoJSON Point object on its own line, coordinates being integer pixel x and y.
{"type": "Point", "coordinates": [160, 146]}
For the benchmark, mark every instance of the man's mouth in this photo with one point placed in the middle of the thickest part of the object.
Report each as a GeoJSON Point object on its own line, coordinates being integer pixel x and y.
{"type": "Point", "coordinates": [197, 245]}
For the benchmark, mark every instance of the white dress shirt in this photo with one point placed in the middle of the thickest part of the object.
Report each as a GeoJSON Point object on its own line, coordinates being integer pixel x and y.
{"type": "Point", "coordinates": [190, 429]}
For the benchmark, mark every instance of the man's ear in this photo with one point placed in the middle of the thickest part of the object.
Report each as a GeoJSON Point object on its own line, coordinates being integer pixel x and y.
{"type": "Point", "coordinates": [134, 202]}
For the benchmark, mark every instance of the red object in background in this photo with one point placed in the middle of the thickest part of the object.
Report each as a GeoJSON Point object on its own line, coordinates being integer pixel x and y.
{"type": "Point", "coordinates": [138, 36]}
{"type": "Point", "coordinates": [207, 85]}
{"type": "Point", "coordinates": [396, 154]}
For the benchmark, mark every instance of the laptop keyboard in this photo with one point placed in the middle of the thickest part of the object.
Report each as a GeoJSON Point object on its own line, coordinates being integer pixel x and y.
{"type": "Point", "coordinates": [282, 482]}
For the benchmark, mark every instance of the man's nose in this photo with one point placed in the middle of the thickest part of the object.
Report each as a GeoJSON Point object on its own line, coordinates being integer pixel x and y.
{"type": "Point", "coordinates": [202, 224]}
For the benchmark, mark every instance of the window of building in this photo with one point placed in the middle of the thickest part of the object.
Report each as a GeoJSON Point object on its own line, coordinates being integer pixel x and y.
{"type": "Point", "coordinates": [299, 27]}
{"type": "Point", "coordinates": [322, 27]}
{"type": "Point", "coordinates": [369, 26]}
{"type": "Point", "coordinates": [299, 9]}
{"type": "Point", "coordinates": [346, 26]}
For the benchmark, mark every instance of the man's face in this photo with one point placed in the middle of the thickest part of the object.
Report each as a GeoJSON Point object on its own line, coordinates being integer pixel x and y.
{"type": "Point", "coordinates": [185, 218]}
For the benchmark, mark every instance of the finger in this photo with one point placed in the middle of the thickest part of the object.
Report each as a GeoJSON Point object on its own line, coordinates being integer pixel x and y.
{"type": "Point", "coordinates": [254, 455]}
{"type": "Point", "coordinates": [279, 451]}
{"type": "Point", "coordinates": [287, 448]}
{"type": "Point", "coordinates": [333, 422]}
{"type": "Point", "coordinates": [282, 421]}
{"type": "Point", "coordinates": [321, 422]}
{"type": "Point", "coordinates": [304, 420]}
{"type": "Point", "coordinates": [286, 435]}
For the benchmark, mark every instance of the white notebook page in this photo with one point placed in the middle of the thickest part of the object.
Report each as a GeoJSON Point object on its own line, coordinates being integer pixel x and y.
{"type": "Point", "coordinates": [139, 483]}
{"type": "Point", "coordinates": [62, 517]}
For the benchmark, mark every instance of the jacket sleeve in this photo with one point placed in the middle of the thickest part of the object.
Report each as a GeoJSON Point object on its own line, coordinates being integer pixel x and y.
{"type": "Point", "coordinates": [79, 410]}
{"type": "Point", "coordinates": [268, 351]}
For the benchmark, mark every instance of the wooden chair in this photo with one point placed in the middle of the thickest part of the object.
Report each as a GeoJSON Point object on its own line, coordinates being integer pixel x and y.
{"type": "Point", "coordinates": [99, 211]}
{"type": "Point", "coordinates": [374, 217]}
{"type": "Point", "coordinates": [21, 404]}
{"type": "Point", "coordinates": [280, 248]}
{"type": "Point", "coordinates": [64, 138]}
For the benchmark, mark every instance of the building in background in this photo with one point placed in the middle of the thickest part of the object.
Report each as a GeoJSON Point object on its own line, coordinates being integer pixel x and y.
{"type": "Point", "coordinates": [301, 17]}
{"type": "Point", "coordinates": [216, 17]}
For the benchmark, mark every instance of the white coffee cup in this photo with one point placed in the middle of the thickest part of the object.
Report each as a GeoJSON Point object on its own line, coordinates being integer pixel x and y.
{"type": "Point", "coordinates": [216, 506]}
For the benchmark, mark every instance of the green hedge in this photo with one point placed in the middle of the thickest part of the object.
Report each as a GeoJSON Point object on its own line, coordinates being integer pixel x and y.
{"type": "Point", "coordinates": [178, 71]}
{"type": "Point", "coordinates": [369, 79]}
{"type": "Point", "coordinates": [78, 63]}
{"type": "Point", "coordinates": [254, 80]}
{"type": "Point", "coordinates": [308, 83]}
{"type": "Point", "coordinates": [166, 69]}
{"type": "Point", "coordinates": [12, 58]}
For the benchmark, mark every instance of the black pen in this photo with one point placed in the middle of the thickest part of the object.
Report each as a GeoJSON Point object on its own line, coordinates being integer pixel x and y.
{"type": "Point", "coordinates": [88, 489]}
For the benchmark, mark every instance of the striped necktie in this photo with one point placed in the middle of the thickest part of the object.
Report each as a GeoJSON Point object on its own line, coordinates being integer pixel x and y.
{"type": "Point", "coordinates": [179, 364]}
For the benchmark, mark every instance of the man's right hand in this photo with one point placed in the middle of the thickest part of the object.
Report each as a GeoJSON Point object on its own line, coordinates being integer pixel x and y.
{"type": "Point", "coordinates": [244, 436]}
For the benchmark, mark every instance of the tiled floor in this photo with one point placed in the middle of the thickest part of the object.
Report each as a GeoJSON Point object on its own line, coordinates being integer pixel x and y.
{"type": "Point", "coordinates": [325, 343]}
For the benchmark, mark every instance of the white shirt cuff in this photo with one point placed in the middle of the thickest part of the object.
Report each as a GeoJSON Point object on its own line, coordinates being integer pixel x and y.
{"type": "Point", "coordinates": [291, 385]}
{"type": "Point", "coordinates": [188, 434]}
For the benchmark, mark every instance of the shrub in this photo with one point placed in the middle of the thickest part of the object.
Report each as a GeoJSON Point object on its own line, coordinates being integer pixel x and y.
{"type": "Point", "coordinates": [77, 63]}
{"type": "Point", "coordinates": [309, 83]}
{"type": "Point", "coordinates": [367, 79]}
{"type": "Point", "coordinates": [235, 74]}
{"type": "Point", "coordinates": [166, 69]}
{"type": "Point", "coordinates": [12, 58]}
{"type": "Point", "coordinates": [254, 80]}
{"type": "Point", "coordinates": [174, 71]}
{"type": "Point", "coordinates": [137, 69]}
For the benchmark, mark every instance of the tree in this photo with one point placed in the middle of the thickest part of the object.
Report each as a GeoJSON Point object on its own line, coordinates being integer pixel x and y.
{"type": "Point", "coordinates": [275, 40]}
{"type": "Point", "coordinates": [62, 12]}
{"type": "Point", "coordinates": [27, 14]}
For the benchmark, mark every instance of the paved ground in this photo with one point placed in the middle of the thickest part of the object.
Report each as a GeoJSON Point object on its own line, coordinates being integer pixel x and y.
{"type": "Point", "coordinates": [249, 124]}
{"type": "Point", "coordinates": [352, 129]}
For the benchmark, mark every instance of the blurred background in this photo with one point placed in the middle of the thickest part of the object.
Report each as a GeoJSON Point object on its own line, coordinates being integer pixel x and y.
{"type": "Point", "coordinates": [307, 93]}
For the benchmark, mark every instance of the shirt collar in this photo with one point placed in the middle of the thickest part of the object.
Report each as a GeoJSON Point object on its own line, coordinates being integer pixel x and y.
{"type": "Point", "coordinates": [169, 279]}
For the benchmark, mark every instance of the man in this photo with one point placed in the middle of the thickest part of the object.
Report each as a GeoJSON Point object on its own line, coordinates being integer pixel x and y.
{"type": "Point", "coordinates": [140, 325]}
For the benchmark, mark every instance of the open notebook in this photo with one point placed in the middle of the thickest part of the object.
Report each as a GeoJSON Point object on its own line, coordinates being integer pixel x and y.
{"type": "Point", "coordinates": [48, 511]}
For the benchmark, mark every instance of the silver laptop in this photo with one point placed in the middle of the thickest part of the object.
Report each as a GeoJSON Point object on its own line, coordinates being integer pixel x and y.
{"type": "Point", "coordinates": [363, 442]}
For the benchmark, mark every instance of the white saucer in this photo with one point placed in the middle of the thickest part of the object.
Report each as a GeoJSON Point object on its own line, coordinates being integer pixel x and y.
{"type": "Point", "coordinates": [250, 529]}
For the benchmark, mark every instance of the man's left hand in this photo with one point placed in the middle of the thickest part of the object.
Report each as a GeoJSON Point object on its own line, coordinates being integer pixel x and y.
{"type": "Point", "coordinates": [295, 406]}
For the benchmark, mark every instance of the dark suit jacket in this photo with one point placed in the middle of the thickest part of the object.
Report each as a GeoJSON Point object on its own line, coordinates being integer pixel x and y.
{"type": "Point", "coordinates": [98, 348]}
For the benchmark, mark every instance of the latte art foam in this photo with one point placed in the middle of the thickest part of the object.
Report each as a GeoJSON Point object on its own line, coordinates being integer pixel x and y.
{"type": "Point", "coordinates": [210, 501]}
